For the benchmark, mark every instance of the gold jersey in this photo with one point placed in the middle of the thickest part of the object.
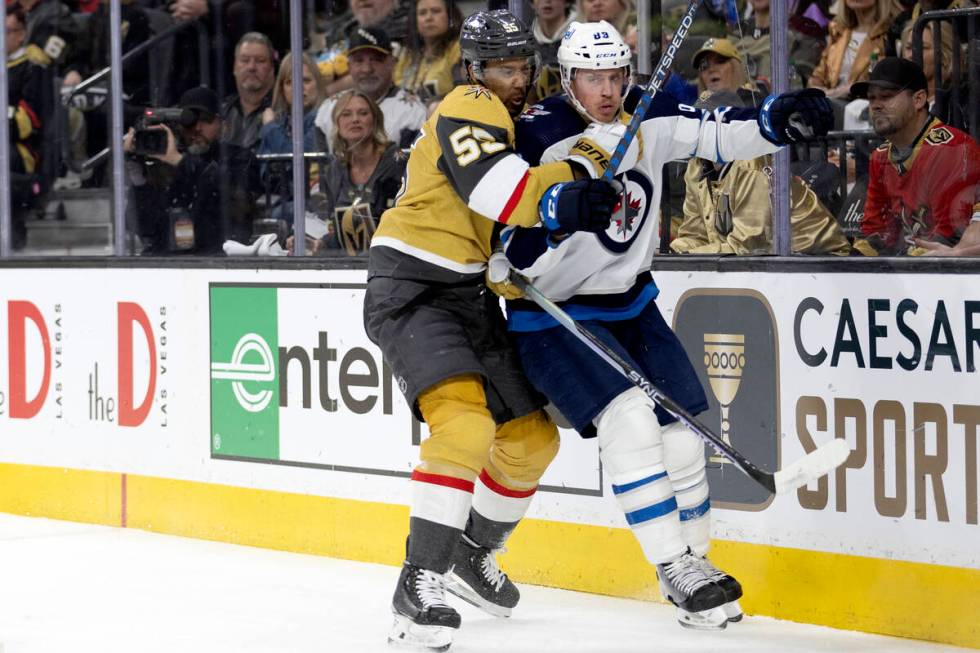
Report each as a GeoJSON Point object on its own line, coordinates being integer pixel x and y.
{"type": "Point", "coordinates": [428, 78]}
{"type": "Point", "coordinates": [462, 180]}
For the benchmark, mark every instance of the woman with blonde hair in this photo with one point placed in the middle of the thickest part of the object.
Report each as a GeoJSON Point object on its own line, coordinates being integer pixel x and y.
{"type": "Point", "coordinates": [280, 113]}
{"type": "Point", "coordinates": [720, 68]}
{"type": "Point", "coordinates": [367, 168]}
{"type": "Point", "coordinates": [276, 134]}
{"type": "Point", "coordinates": [858, 35]}
{"type": "Point", "coordinates": [940, 90]}
{"type": "Point", "coordinates": [929, 49]}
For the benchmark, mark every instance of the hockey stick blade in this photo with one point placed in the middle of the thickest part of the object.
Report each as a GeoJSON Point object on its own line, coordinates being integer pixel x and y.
{"type": "Point", "coordinates": [819, 462]}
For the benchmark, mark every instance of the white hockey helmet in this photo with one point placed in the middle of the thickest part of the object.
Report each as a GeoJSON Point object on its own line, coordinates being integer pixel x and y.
{"type": "Point", "coordinates": [592, 46]}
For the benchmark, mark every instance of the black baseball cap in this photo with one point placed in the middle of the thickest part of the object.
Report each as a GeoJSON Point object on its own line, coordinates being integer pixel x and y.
{"type": "Point", "coordinates": [369, 37]}
{"type": "Point", "coordinates": [197, 103]}
{"type": "Point", "coordinates": [892, 73]}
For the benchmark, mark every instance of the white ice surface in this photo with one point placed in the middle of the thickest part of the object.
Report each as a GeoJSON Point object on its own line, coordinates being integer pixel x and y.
{"type": "Point", "coordinates": [77, 588]}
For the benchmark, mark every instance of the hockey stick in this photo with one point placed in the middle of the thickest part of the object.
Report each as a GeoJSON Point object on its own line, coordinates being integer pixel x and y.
{"type": "Point", "coordinates": [659, 75]}
{"type": "Point", "coordinates": [812, 466]}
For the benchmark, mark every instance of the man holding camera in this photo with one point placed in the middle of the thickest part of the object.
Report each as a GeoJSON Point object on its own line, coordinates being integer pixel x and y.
{"type": "Point", "coordinates": [192, 191]}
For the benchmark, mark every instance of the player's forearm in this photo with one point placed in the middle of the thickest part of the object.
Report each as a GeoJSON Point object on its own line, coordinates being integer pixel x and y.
{"type": "Point", "coordinates": [523, 204]}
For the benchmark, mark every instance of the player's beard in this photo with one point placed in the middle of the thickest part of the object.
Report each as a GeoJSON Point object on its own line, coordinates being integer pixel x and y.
{"type": "Point", "coordinates": [515, 103]}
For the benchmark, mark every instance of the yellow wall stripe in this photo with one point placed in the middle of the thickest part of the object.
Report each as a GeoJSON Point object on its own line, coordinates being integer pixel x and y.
{"type": "Point", "coordinates": [58, 493]}
{"type": "Point", "coordinates": [921, 601]}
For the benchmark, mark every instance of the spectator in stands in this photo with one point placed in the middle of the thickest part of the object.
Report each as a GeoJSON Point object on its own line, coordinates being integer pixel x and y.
{"type": "Point", "coordinates": [225, 22]}
{"type": "Point", "coordinates": [52, 42]}
{"type": "Point", "coordinates": [254, 71]}
{"type": "Point", "coordinates": [922, 180]}
{"type": "Point", "coordinates": [24, 79]}
{"type": "Point", "coordinates": [429, 65]}
{"type": "Point", "coordinates": [52, 30]}
{"type": "Point", "coordinates": [969, 244]}
{"type": "Point", "coordinates": [618, 12]}
{"type": "Point", "coordinates": [727, 208]}
{"type": "Point", "coordinates": [390, 16]}
{"type": "Point", "coordinates": [367, 168]}
{"type": "Point", "coordinates": [720, 68]}
{"type": "Point", "coordinates": [93, 55]}
{"type": "Point", "coordinates": [371, 69]}
{"type": "Point", "coordinates": [805, 42]}
{"type": "Point", "coordinates": [551, 19]}
{"type": "Point", "coordinates": [858, 35]}
{"type": "Point", "coordinates": [211, 197]}
{"type": "Point", "coordinates": [23, 96]}
{"type": "Point", "coordinates": [276, 135]}
{"type": "Point", "coordinates": [940, 91]}
{"type": "Point", "coordinates": [915, 9]}
{"type": "Point", "coordinates": [816, 10]}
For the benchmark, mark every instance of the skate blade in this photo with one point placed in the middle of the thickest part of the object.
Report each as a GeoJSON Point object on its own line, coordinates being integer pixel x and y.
{"type": "Point", "coordinates": [733, 611]}
{"type": "Point", "coordinates": [458, 588]}
{"type": "Point", "coordinates": [713, 619]}
{"type": "Point", "coordinates": [406, 634]}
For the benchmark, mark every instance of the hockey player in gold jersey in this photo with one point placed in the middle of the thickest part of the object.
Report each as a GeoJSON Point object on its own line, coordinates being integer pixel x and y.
{"type": "Point", "coordinates": [442, 332]}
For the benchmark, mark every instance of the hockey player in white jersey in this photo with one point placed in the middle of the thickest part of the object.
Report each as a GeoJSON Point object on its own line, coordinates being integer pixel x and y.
{"type": "Point", "coordinates": [656, 465]}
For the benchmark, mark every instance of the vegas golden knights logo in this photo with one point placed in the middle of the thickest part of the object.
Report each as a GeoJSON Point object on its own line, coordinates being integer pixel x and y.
{"type": "Point", "coordinates": [355, 229]}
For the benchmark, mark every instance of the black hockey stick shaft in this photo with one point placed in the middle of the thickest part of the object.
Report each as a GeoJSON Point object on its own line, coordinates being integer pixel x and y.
{"type": "Point", "coordinates": [762, 477]}
{"type": "Point", "coordinates": [659, 76]}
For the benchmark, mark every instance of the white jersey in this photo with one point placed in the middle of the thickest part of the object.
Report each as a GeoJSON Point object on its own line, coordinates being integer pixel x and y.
{"type": "Point", "coordinates": [404, 116]}
{"type": "Point", "coordinates": [604, 275]}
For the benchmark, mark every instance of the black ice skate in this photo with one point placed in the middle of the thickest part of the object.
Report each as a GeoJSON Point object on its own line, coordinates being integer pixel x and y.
{"type": "Point", "coordinates": [699, 600]}
{"type": "Point", "coordinates": [476, 578]}
{"type": "Point", "coordinates": [423, 619]}
{"type": "Point", "coordinates": [732, 588]}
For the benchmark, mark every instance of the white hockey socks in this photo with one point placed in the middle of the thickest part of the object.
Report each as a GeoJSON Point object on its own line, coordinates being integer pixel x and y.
{"type": "Point", "coordinates": [684, 461]}
{"type": "Point", "coordinates": [496, 511]}
{"type": "Point", "coordinates": [632, 453]}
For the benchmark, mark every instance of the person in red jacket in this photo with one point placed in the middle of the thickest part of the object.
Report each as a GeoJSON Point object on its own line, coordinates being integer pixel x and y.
{"type": "Point", "coordinates": [922, 180]}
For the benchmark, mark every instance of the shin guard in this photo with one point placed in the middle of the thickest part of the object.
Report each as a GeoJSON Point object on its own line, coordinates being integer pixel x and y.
{"type": "Point", "coordinates": [461, 433]}
{"type": "Point", "coordinates": [632, 453]}
{"type": "Point", "coordinates": [522, 449]}
{"type": "Point", "coordinates": [684, 460]}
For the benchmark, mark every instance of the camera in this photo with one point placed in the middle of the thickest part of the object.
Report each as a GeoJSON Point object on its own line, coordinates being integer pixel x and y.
{"type": "Point", "coordinates": [148, 140]}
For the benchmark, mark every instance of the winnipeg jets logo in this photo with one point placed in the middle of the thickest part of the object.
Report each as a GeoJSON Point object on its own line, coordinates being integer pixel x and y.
{"type": "Point", "coordinates": [531, 112]}
{"type": "Point", "coordinates": [626, 221]}
{"type": "Point", "coordinates": [630, 214]}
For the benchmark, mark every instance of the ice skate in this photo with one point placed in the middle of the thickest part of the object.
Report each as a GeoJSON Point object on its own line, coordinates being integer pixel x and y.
{"type": "Point", "coordinates": [732, 588]}
{"type": "Point", "coordinates": [698, 599]}
{"type": "Point", "coordinates": [423, 619]}
{"type": "Point", "coordinates": [477, 579]}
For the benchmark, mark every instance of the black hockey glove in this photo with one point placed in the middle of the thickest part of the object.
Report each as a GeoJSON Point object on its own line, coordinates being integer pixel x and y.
{"type": "Point", "coordinates": [795, 116]}
{"type": "Point", "coordinates": [583, 205]}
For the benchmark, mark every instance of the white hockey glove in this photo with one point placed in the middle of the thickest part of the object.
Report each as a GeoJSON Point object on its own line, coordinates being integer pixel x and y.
{"type": "Point", "coordinates": [594, 148]}
{"type": "Point", "coordinates": [498, 277]}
